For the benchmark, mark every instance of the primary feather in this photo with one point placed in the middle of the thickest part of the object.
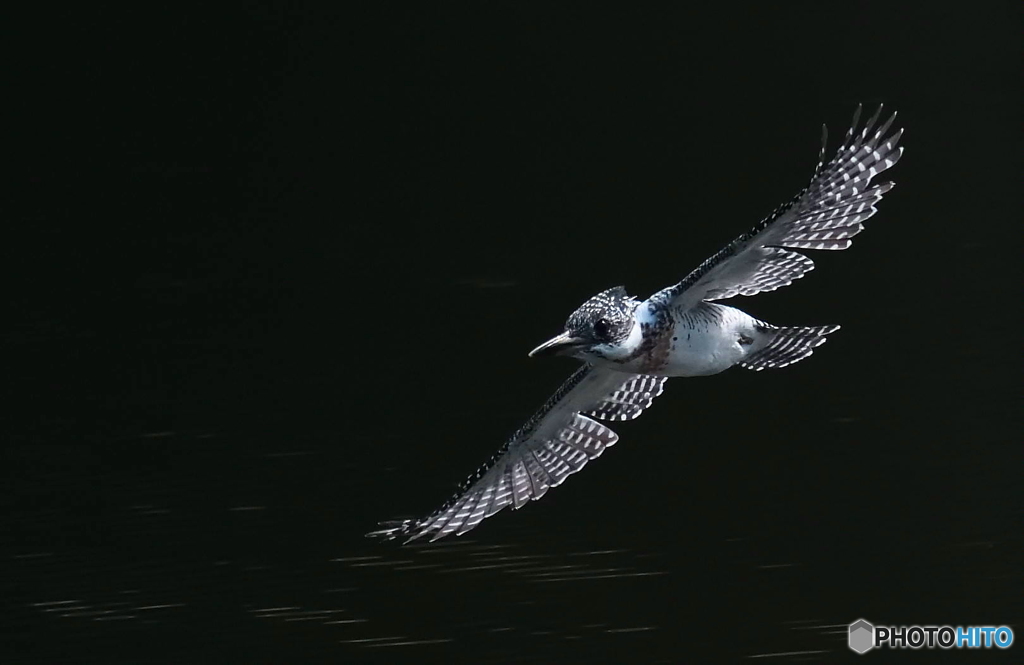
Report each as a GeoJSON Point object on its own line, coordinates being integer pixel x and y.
{"type": "Point", "coordinates": [824, 215]}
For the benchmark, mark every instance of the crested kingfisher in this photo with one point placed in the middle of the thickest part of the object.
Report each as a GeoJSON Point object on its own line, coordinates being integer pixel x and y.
{"type": "Point", "coordinates": [629, 347]}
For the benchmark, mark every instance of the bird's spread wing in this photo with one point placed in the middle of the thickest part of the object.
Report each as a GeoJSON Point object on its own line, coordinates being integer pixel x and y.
{"type": "Point", "coordinates": [825, 215]}
{"type": "Point", "coordinates": [555, 443]}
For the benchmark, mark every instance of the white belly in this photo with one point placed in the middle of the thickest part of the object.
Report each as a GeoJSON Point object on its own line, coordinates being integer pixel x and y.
{"type": "Point", "coordinates": [709, 339]}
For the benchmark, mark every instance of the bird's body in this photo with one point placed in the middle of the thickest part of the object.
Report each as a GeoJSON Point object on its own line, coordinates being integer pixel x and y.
{"type": "Point", "coordinates": [630, 347]}
{"type": "Point", "coordinates": [703, 340]}
{"type": "Point", "coordinates": [709, 339]}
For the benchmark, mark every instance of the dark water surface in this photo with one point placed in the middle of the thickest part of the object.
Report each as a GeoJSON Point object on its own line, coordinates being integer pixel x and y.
{"type": "Point", "coordinates": [275, 280]}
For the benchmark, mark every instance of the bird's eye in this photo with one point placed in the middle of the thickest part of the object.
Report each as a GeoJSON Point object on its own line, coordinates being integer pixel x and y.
{"type": "Point", "coordinates": [601, 328]}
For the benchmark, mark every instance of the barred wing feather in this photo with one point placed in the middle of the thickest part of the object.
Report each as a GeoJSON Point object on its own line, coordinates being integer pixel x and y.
{"type": "Point", "coordinates": [825, 215]}
{"type": "Point", "coordinates": [555, 443]}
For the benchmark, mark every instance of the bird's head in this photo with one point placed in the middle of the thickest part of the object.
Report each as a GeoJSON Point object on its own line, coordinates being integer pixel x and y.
{"type": "Point", "coordinates": [603, 328]}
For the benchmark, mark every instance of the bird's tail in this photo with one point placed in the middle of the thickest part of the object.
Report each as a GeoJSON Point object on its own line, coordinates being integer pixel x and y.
{"type": "Point", "coordinates": [787, 346]}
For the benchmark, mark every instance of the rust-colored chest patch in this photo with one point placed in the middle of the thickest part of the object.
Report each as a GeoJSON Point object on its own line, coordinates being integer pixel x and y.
{"type": "Point", "coordinates": [655, 356]}
{"type": "Point", "coordinates": [652, 353]}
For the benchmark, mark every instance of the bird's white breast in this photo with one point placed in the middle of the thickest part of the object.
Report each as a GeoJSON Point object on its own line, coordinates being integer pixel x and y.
{"type": "Point", "coordinates": [706, 339]}
{"type": "Point", "coordinates": [709, 339]}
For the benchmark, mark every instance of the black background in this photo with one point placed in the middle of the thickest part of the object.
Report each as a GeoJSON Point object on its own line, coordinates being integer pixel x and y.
{"type": "Point", "coordinates": [274, 274]}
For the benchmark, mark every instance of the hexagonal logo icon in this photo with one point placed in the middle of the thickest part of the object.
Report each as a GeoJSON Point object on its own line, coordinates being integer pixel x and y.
{"type": "Point", "coordinates": [862, 636]}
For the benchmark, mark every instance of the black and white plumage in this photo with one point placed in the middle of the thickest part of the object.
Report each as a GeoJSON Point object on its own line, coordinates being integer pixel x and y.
{"type": "Point", "coordinates": [630, 348]}
{"type": "Point", "coordinates": [557, 442]}
{"type": "Point", "coordinates": [825, 215]}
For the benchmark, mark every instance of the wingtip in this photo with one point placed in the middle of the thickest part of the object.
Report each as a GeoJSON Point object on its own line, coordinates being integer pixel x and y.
{"type": "Point", "coordinates": [389, 530]}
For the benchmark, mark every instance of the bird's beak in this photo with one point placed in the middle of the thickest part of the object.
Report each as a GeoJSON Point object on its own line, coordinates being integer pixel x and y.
{"type": "Point", "coordinates": [556, 345]}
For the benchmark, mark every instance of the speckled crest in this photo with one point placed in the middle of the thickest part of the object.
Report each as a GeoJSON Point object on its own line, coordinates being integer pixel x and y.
{"type": "Point", "coordinates": [614, 306]}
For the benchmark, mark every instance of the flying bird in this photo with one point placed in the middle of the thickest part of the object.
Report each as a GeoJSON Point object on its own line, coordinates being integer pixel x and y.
{"type": "Point", "coordinates": [630, 348]}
